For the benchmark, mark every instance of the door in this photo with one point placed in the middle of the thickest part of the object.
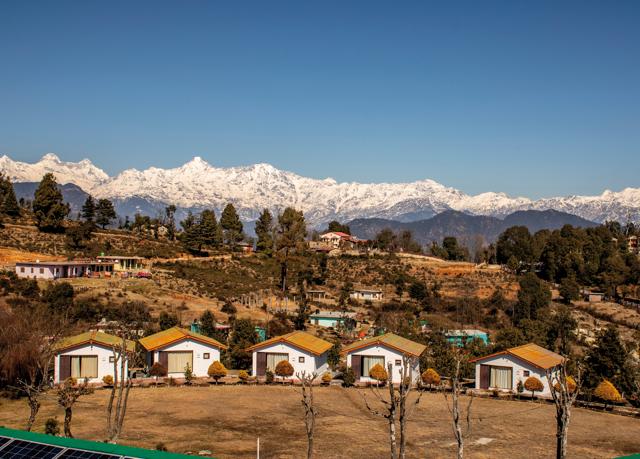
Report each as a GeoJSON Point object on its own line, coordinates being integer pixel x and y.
{"type": "Point", "coordinates": [65, 367]}
{"type": "Point", "coordinates": [356, 365]}
{"type": "Point", "coordinates": [484, 376]}
{"type": "Point", "coordinates": [261, 363]}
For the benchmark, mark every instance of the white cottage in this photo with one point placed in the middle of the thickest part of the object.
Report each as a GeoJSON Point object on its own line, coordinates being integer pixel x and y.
{"type": "Point", "coordinates": [503, 370]}
{"type": "Point", "coordinates": [364, 294]}
{"type": "Point", "coordinates": [304, 352]}
{"type": "Point", "coordinates": [175, 348]}
{"type": "Point", "coordinates": [364, 354]}
{"type": "Point", "coordinates": [89, 356]}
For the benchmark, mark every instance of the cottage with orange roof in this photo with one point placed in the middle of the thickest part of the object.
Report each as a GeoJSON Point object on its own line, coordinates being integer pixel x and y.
{"type": "Point", "coordinates": [176, 347]}
{"type": "Point", "coordinates": [89, 356]}
{"type": "Point", "coordinates": [304, 352]}
{"type": "Point", "coordinates": [503, 370]}
{"type": "Point", "coordinates": [364, 354]}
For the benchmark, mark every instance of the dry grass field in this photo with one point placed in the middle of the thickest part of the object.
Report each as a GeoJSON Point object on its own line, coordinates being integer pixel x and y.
{"type": "Point", "coordinates": [228, 419]}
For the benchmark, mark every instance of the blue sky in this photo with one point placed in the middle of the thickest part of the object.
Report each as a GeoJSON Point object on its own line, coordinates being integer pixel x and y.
{"type": "Point", "coordinates": [530, 98]}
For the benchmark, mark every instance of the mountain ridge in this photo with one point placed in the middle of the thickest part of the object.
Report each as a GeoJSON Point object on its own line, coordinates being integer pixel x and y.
{"type": "Point", "coordinates": [197, 185]}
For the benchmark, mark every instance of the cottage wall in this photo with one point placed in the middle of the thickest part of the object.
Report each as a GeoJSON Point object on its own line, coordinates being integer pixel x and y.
{"type": "Point", "coordinates": [104, 366]}
{"type": "Point", "coordinates": [518, 368]}
{"type": "Point", "coordinates": [390, 355]}
{"type": "Point", "coordinates": [33, 271]}
{"type": "Point", "coordinates": [200, 364]}
{"type": "Point", "coordinates": [312, 363]}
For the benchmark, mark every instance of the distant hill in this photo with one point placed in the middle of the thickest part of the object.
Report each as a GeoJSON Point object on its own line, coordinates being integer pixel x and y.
{"type": "Point", "coordinates": [468, 228]}
{"type": "Point", "coordinates": [72, 194]}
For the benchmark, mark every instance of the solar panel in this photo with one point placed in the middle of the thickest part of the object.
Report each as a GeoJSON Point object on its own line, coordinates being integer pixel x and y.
{"type": "Point", "coordinates": [80, 454]}
{"type": "Point", "coordinates": [4, 441]}
{"type": "Point", "coordinates": [20, 449]}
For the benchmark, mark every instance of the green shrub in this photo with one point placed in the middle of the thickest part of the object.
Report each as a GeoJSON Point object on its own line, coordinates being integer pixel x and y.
{"type": "Point", "coordinates": [348, 377]}
{"type": "Point", "coordinates": [52, 427]}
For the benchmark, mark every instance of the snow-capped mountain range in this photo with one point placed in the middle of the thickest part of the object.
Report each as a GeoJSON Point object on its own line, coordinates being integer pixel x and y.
{"type": "Point", "coordinates": [197, 185]}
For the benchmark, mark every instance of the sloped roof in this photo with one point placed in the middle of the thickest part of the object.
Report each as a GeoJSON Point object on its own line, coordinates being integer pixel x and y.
{"type": "Point", "coordinates": [93, 337]}
{"type": "Point", "coordinates": [532, 353]}
{"type": "Point", "coordinates": [404, 345]}
{"type": "Point", "coordinates": [173, 335]}
{"type": "Point", "coordinates": [299, 339]}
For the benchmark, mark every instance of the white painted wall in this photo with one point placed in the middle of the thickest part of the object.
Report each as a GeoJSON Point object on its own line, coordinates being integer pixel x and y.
{"type": "Point", "coordinates": [200, 364]}
{"type": "Point", "coordinates": [104, 366]}
{"type": "Point", "coordinates": [518, 368]}
{"type": "Point", "coordinates": [311, 362]}
{"type": "Point", "coordinates": [34, 272]}
{"type": "Point", "coordinates": [390, 355]}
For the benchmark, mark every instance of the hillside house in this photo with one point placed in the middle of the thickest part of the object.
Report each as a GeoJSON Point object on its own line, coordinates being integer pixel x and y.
{"type": "Point", "coordinates": [464, 336]}
{"type": "Point", "coordinates": [331, 318]}
{"type": "Point", "coordinates": [124, 263]}
{"type": "Point", "coordinates": [63, 269]}
{"type": "Point", "coordinates": [364, 294]}
{"type": "Point", "coordinates": [304, 352]}
{"type": "Point", "coordinates": [502, 370]}
{"type": "Point", "coordinates": [592, 297]}
{"type": "Point", "coordinates": [339, 240]}
{"type": "Point", "coordinates": [176, 347]}
{"type": "Point", "coordinates": [364, 354]}
{"type": "Point", "coordinates": [89, 356]}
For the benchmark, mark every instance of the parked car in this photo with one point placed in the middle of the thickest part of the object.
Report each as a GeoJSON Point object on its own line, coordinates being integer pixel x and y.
{"type": "Point", "coordinates": [143, 275]}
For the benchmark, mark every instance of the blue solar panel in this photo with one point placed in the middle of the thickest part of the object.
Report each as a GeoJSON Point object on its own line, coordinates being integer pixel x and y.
{"type": "Point", "coordinates": [80, 454]}
{"type": "Point", "coordinates": [4, 441]}
{"type": "Point", "coordinates": [20, 449]}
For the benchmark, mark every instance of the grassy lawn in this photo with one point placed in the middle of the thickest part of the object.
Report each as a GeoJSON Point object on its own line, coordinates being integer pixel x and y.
{"type": "Point", "coordinates": [228, 419]}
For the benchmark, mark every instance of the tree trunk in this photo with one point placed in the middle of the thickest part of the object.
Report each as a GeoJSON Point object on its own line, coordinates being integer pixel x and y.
{"type": "Point", "coordinates": [67, 422]}
{"type": "Point", "coordinates": [562, 417]}
{"type": "Point", "coordinates": [34, 407]}
{"type": "Point", "coordinates": [392, 414]}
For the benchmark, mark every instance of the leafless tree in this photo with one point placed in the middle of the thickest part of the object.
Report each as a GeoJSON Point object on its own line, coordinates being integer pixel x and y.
{"type": "Point", "coordinates": [310, 411]}
{"type": "Point", "coordinates": [68, 394]}
{"type": "Point", "coordinates": [397, 408]}
{"type": "Point", "coordinates": [27, 348]}
{"type": "Point", "coordinates": [454, 408]}
{"type": "Point", "coordinates": [131, 318]}
{"type": "Point", "coordinates": [564, 391]}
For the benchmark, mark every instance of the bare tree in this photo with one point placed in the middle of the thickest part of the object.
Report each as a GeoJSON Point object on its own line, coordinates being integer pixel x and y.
{"type": "Point", "coordinates": [564, 391]}
{"type": "Point", "coordinates": [27, 347]}
{"type": "Point", "coordinates": [397, 407]}
{"type": "Point", "coordinates": [68, 394]}
{"type": "Point", "coordinates": [310, 411]}
{"type": "Point", "coordinates": [131, 318]}
{"type": "Point", "coordinates": [454, 408]}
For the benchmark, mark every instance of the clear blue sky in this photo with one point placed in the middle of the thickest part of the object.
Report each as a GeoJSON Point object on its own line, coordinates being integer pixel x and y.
{"type": "Point", "coordinates": [531, 98]}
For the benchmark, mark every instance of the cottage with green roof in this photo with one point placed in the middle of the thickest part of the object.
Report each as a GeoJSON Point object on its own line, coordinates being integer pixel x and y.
{"type": "Point", "coordinates": [364, 354]}
{"type": "Point", "coordinates": [88, 356]}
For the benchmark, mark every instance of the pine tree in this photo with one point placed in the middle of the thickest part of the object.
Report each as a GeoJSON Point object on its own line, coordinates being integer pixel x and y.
{"type": "Point", "coordinates": [190, 236]}
{"type": "Point", "coordinates": [231, 225]}
{"type": "Point", "coordinates": [89, 209]}
{"type": "Point", "coordinates": [8, 203]}
{"type": "Point", "coordinates": [208, 228]}
{"type": "Point", "coordinates": [170, 212]}
{"type": "Point", "coordinates": [292, 230]}
{"type": "Point", "coordinates": [208, 324]}
{"type": "Point", "coordinates": [48, 207]}
{"type": "Point", "coordinates": [608, 359]}
{"type": "Point", "coordinates": [105, 212]}
{"type": "Point", "coordinates": [264, 231]}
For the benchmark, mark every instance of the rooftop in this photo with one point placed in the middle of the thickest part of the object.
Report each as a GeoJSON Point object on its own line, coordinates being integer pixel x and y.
{"type": "Point", "coordinates": [298, 339]}
{"type": "Point", "coordinates": [465, 332]}
{"type": "Point", "coordinates": [93, 337]}
{"type": "Point", "coordinates": [404, 345]}
{"type": "Point", "coordinates": [18, 443]}
{"type": "Point", "coordinates": [531, 353]}
{"type": "Point", "coordinates": [173, 335]}
{"type": "Point", "coordinates": [63, 263]}
{"type": "Point", "coordinates": [333, 314]}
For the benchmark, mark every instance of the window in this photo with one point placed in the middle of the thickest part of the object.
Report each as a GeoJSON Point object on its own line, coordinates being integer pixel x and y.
{"type": "Point", "coordinates": [501, 378]}
{"type": "Point", "coordinates": [398, 363]}
{"type": "Point", "coordinates": [84, 366]}
{"type": "Point", "coordinates": [525, 373]}
{"type": "Point", "coordinates": [41, 270]}
{"type": "Point", "coordinates": [301, 359]}
{"type": "Point", "coordinates": [177, 361]}
{"type": "Point", "coordinates": [112, 359]}
{"type": "Point", "coordinates": [273, 359]}
{"type": "Point", "coordinates": [22, 269]}
{"type": "Point", "coordinates": [206, 356]}
{"type": "Point", "coordinates": [31, 270]}
{"type": "Point", "coordinates": [369, 361]}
